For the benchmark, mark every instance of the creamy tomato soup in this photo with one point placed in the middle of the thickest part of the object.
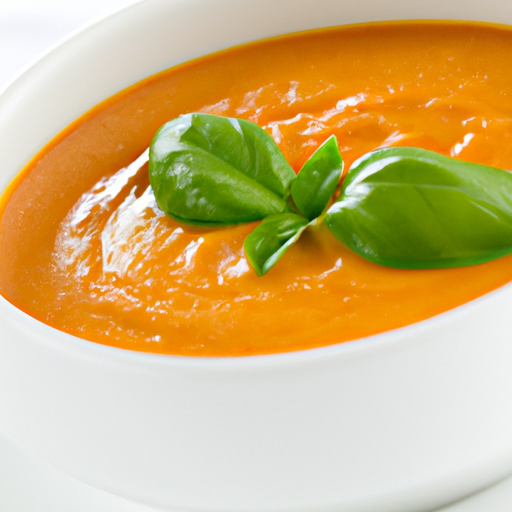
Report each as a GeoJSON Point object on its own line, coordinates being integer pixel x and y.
{"type": "Point", "coordinates": [87, 250]}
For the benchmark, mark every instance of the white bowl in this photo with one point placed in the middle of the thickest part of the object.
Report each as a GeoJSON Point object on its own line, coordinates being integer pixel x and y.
{"type": "Point", "coordinates": [402, 421]}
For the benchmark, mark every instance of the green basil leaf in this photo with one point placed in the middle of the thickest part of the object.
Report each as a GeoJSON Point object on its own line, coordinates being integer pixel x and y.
{"type": "Point", "coordinates": [216, 171]}
{"type": "Point", "coordinates": [317, 180]}
{"type": "Point", "coordinates": [412, 208]}
{"type": "Point", "coordinates": [269, 241]}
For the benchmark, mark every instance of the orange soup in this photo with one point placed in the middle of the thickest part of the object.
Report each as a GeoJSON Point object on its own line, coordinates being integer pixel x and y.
{"type": "Point", "coordinates": [90, 253]}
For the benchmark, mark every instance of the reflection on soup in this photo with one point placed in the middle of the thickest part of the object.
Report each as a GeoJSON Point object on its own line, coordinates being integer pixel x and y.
{"type": "Point", "coordinates": [91, 254]}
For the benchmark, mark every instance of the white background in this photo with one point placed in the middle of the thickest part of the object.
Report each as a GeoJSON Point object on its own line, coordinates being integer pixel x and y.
{"type": "Point", "coordinates": [27, 29]}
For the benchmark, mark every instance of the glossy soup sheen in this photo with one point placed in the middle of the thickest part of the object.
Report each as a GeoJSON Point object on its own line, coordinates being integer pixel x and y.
{"type": "Point", "coordinates": [91, 254]}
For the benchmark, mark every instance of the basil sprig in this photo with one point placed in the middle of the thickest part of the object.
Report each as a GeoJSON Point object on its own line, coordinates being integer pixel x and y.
{"type": "Point", "coordinates": [208, 170]}
{"type": "Point", "coordinates": [400, 207]}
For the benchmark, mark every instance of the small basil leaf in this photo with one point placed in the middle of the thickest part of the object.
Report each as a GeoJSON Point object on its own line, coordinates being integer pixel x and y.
{"type": "Point", "coordinates": [412, 208]}
{"type": "Point", "coordinates": [216, 171]}
{"type": "Point", "coordinates": [317, 180]}
{"type": "Point", "coordinates": [269, 241]}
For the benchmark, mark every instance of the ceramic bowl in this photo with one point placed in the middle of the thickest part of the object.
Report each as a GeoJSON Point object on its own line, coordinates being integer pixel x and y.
{"type": "Point", "coordinates": [404, 421]}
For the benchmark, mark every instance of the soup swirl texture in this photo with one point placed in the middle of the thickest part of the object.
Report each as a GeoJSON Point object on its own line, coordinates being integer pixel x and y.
{"type": "Point", "coordinates": [91, 253]}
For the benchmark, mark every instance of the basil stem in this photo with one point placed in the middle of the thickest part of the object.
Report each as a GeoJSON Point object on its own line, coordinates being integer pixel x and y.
{"type": "Point", "coordinates": [311, 191]}
{"type": "Point", "coordinates": [216, 171]}
{"type": "Point", "coordinates": [412, 208]}
{"type": "Point", "coordinates": [269, 241]}
{"type": "Point", "coordinates": [317, 180]}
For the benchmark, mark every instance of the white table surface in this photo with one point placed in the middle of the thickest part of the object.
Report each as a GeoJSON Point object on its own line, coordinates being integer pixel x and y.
{"type": "Point", "coordinates": [27, 29]}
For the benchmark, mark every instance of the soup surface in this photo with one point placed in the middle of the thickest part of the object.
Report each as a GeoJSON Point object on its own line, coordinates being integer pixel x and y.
{"type": "Point", "coordinates": [90, 253]}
